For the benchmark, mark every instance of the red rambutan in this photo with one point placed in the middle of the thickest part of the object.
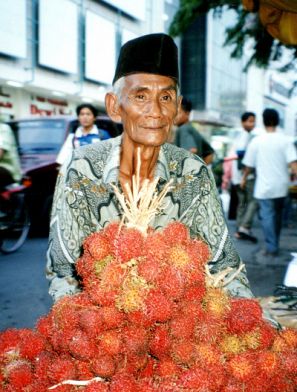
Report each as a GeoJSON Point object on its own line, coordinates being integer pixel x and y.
{"type": "Point", "coordinates": [170, 281]}
{"type": "Point", "coordinates": [123, 383]}
{"type": "Point", "coordinates": [19, 375]}
{"type": "Point", "coordinates": [267, 363]}
{"type": "Point", "coordinates": [81, 347]}
{"type": "Point", "coordinates": [290, 336]}
{"type": "Point", "coordinates": [175, 233]}
{"type": "Point", "coordinates": [199, 251]}
{"type": "Point", "coordinates": [111, 342]}
{"type": "Point", "coordinates": [9, 340]}
{"type": "Point", "coordinates": [196, 379]}
{"type": "Point", "coordinates": [83, 370]}
{"type": "Point", "coordinates": [241, 367]}
{"type": "Point", "coordinates": [103, 366]}
{"type": "Point", "coordinates": [149, 269]}
{"type": "Point", "coordinates": [289, 363]}
{"type": "Point", "coordinates": [166, 367]}
{"type": "Point", "coordinates": [61, 369]}
{"type": "Point", "coordinates": [135, 339]}
{"type": "Point", "coordinates": [194, 293]}
{"type": "Point", "coordinates": [97, 245]}
{"type": "Point", "coordinates": [184, 352]}
{"type": "Point", "coordinates": [155, 247]}
{"type": "Point", "coordinates": [31, 345]}
{"type": "Point", "coordinates": [112, 317]}
{"type": "Point", "coordinates": [182, 327]}
{"type": "Point", "coordinates": [97, 386]}
{"type": "Point", "coordinates": [158, 307]}
{"type": "Point", "coordinates": [90, 321]}
{"type": "Point", "coordinates": [160, 343]}
{"type": "Point", "coordinates": [244, 315]}
{"type": "Point", "coordinates": [129, 245]}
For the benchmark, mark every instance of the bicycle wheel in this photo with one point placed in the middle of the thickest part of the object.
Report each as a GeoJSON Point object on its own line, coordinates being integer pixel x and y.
{"type": "Point", "coordinates": [14, 235]}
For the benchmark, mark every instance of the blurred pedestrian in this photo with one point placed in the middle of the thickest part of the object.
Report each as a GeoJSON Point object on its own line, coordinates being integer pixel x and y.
{"type": "Point", "coordinates": [86, 133]}
{"type": "Point", "coordinates": [10, 169]}
{"type": "Point", "coordinates": [270, 154]}
{"type": "Point", "coordinates": [247, 206]}
{"type": "Point", "coordinates": [187, 135]}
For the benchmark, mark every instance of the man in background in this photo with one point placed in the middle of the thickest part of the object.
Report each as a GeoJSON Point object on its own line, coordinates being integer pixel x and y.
{"type": "Point", "coordinates": [247, 205]}
{"type": "Point", "coordinates": [270, 154]}
{"type": "Point", "coordinates": [188, 137]}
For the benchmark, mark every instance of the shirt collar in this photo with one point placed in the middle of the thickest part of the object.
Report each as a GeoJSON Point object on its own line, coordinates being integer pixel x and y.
{"type": "Point", "coordinates": [111, 169]}
{"type": "Point", "coordinates": [93, 131]}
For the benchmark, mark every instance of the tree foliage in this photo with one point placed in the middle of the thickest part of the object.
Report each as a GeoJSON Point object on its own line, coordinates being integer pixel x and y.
{"type": "Point", "coordinates": [247, 28]}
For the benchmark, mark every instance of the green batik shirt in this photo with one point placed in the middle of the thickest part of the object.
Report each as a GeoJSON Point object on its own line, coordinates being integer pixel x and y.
{"type": "Point", "coordinates": [85, 202]}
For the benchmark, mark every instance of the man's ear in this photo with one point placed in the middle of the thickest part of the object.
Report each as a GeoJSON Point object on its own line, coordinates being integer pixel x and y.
{"type": "Point", "coordinates": [112, 107]}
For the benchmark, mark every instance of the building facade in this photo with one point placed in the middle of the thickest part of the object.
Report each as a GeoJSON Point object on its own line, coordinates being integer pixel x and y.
{"type": "Point", "coordinates": [55, 54]}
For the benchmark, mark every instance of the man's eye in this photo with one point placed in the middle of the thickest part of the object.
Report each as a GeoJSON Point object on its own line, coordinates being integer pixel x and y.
{"type": "Point", "coordinates": [166, 98]}
{"type": "Point", "coordinates": [140, 97]}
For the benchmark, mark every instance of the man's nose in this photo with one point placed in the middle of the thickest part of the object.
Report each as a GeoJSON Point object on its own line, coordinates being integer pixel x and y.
{"type": "Point", "coordinates": [154, 108]}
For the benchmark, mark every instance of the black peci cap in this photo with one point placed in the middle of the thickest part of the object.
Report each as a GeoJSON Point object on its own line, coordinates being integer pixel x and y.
{"type": "Point", "coordinates": [152, 53]}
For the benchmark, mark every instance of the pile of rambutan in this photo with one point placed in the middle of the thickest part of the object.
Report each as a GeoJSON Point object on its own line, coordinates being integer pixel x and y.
{"type": "Point", "coordinates": [148, 320]}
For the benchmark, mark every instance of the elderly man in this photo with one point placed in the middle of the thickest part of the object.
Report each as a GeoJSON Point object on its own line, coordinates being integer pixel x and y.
{"type": "Point", "coordinates": [145, 99]}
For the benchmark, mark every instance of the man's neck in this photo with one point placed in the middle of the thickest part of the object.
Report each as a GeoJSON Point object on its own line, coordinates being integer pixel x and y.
{"type": "Point", "coordinates": [129, 160]}
{"type": "Point", "coordinates": [270, 129]}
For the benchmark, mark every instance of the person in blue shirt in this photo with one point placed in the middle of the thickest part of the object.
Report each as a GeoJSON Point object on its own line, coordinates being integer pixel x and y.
{"type": "Point", "coordinates": [86, 133]}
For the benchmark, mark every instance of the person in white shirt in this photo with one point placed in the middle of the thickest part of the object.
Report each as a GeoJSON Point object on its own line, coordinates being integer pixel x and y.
{"type": "Point", "coordinates": [247, 205]}
{"type": "Point", "coordinates": [86, 133]}
{"type": "Point", "coordinates": [270, 154]}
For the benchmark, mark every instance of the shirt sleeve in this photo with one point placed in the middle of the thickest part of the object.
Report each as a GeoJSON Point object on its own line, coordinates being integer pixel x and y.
{"type": "Point", "coordinates": [71, 223]}
{"type": "Point", "coordinates": [66, 150]}
{"type": "Point", "coordinates": [205, 218]}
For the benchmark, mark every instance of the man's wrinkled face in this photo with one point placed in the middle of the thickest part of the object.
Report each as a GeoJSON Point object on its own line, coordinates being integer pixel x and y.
{"type": "Point", "coordinates": [148, 106]}
{"type": "Point", "coordinates": [249, 124]}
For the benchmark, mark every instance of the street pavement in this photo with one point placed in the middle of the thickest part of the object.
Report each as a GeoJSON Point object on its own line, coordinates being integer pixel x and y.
{"type": "Point", "coordinates": [24, 290]}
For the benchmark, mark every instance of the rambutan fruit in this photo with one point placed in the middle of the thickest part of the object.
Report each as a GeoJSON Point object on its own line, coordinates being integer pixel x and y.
{"type": "Point", "coordinates": [209, 329]}
{"type": "Point", "coordinates": [133, 363]}
{"type": "Point", "coordinates": [194, 293]}
{"type": "Point", "coordinates": [9, 340]}
{"type": "Point", "coordinates": [129, 244]}
{"type": "Point", "coordinates": [148, 371]}
{"type": "Point", "coordinates": [282, 384]}
{"type": "Point", "coordinates": [97, 386]}
{"type": "Point", "coordinates": [135, 338]}
{"type": "Point", "coordinates": [42, 363]}
{"type": "Point", "coordinates": [61, 369]}
{"type": "Point", "coordinates": [111, 342]}
{"type": "Point", "coordinates": [280, 345]}
{"type": "Point", "coordinates": [31, 345]}
{"type": "Point", "coordinates": [83, 370]}
{"type": "Point", "coordinates": [81, 347]}
{"type": "Point", "coordinates": [183, 352]}
{"type": "Point", "coordinates": [158, 307]}
{"type": "Point", "coordinates": [90, 321]}
{"type": "Point", "coordinates": [244, 315]}
{"type": "Point", "coordinates": [199, 251]}
{"type": "Point", "coordinates": [175, 233]}
{"type": "Point", "coordinates": [216, 302]}
{"type": "Point", "coordinates": [149, 269]}
{"type": "Point", "coordinates": [233, 386]}
{"type": "Point", "coordinates": [166, 367]}
{"type": "Point", "coordinates": [267, 363]}
{"type": "Point", "coordinates": [65, 314]}
{"type": "Point", "coordinates": [123, 383]}
{"type": "Point", "coordinates": [112, 317]}
{"type": "Point", "coordinates": [99, 295]}
{"type": "Point", "coordinates": [103, 366]}
{"type": "Point", "coordinates": [208, 354]}
{"type": "Point", "coordinates": [182, 327]}
{"type": "Point", "coordinates": [19, 375]}
{"type": "Point", "coordinates": [241, 367]}
{"type": "Point", "coordinates": [44, 325]}
{"type": "Point", "coordinates": [290, 336]}
{"type": "Point", "coordinates": [232, 345]}
{"type": "Point", "coordinates": [160, 342]}
{"type": "Point", "coordinates": [289, 363]}
{"type": "Point", "coordinates": [97, 245]}
{"type": "Point", "coordinates": [113, 275]}
{"type": "Point", "coordinates": [178, 257]}
{"type": "Point", "coordinates": [138, 318]}
{"type": "Point", "coordinates": [170, 282]}
{"type": "Point", "coordinates": [155, 247]}
{"type": "Point", "coordinates": [267, 334]}
{"type": "Point", "coordinates": [196, 379]}
{"type": "Point", "coordinates": [60, 339]}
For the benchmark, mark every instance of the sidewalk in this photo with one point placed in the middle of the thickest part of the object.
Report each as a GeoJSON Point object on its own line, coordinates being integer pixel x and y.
{"type": "Point", "coordinates": [265, 273]}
